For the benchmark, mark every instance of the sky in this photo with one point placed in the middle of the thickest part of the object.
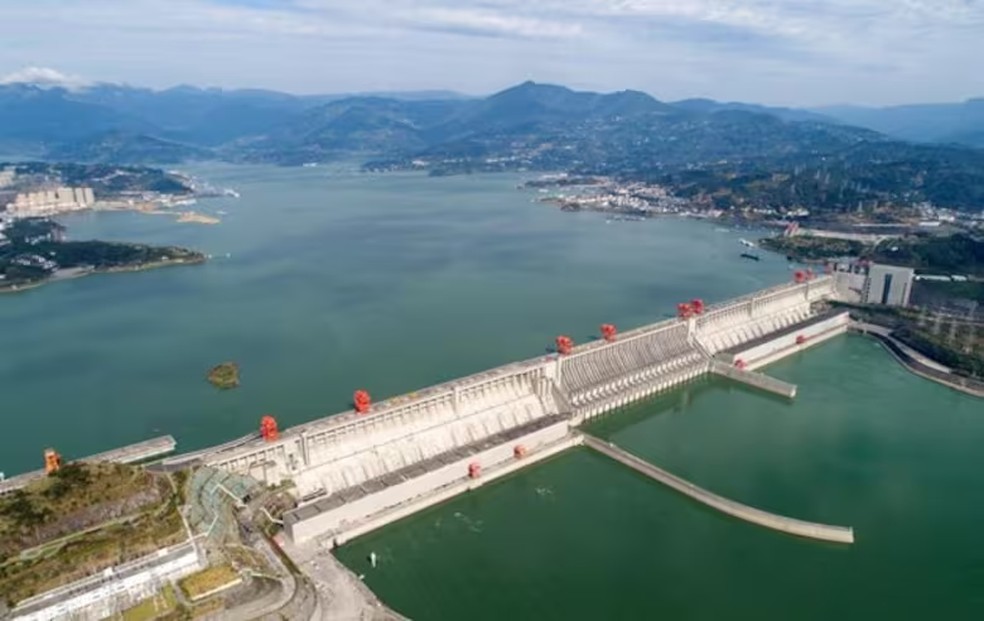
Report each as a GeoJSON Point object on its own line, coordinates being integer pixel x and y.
{"type": "Point", "coordinates": [781, 52]}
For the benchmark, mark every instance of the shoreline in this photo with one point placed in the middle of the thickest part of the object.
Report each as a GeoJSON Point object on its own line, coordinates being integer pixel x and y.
{"type": "Point", "coordinates": [914, 366]}
{"type": "Point", "coordinates": [104, 270]}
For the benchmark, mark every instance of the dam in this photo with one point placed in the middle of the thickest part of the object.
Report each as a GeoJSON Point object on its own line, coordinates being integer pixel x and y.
{"type": "Point", "coordinates": [367, 467]}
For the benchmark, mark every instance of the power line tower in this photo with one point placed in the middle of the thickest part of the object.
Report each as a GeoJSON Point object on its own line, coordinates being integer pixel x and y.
{"type": "Point", "coordinates": [952, 338]}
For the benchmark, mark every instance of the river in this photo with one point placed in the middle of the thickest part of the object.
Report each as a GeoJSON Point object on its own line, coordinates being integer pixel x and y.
{"type": "Point", "coordinates": [335, 280]}
{"type": "Point", "coordinates": [324, 280]}
{"type": "Point", "coordinates": [865, 444]}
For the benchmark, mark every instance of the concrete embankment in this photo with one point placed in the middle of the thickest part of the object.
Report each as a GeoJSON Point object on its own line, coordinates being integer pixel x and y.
{"type": "Point", "coordinates": [812, 530]}
{"type": "Point", "coordinates": [908, 359]}
{"type": "Point", "coordinates": [755, 380]}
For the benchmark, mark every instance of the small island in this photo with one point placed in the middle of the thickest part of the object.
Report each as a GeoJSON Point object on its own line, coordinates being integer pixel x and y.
{"type": "Point", "coordinates": [224, 376]}
{"type": "Point", "coordinates": [33, 251]}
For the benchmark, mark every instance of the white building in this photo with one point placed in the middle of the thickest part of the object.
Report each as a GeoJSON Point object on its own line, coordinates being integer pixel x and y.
{"type": "Point", "coordinates": [49, 202]}
{"type": "Point", "coordinates": [888, 284]}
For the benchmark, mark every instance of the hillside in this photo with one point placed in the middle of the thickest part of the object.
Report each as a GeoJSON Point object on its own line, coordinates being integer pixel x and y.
{"type": "Point", "coordinates": [718, 154]}
{"type": "Point", "coordinates": [961, 123]}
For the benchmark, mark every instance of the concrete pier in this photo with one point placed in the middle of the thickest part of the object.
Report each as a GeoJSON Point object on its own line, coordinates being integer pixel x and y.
{"type": "Point", "coordinates": [753, 379]}
{"type": "Point", "coordinates": [811, 530]}
{"type": "Point", "coordinates": [126, 455]}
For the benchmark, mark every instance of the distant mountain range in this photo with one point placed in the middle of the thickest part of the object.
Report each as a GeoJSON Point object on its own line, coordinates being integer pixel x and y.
{"type": "Point", "coordinates": [958, 123]}
{"type": "Point", "coordinates": [195, 121]}
{"type": "Point", "coordinates": [529, 126]}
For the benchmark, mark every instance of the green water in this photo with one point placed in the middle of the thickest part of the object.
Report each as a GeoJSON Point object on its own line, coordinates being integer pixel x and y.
{"type": "Point", "coordinates": [865, 444]}
{"type": "Point", "coordinates": [336, 281]}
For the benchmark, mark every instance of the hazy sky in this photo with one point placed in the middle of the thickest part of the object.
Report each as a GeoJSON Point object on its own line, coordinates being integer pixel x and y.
{"type": "Point", "coordinates": [772, 51]}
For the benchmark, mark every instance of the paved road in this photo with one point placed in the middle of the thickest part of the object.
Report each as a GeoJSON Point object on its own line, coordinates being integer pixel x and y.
{"type": "Point", "coordinates": [887, 333]}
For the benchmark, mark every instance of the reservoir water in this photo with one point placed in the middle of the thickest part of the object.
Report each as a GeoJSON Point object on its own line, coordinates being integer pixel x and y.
{"type": "Point", "coordinates": [865, 444]}
{"type": "Point", "coordinates": [335, 281]}
{"type": "Point", "coordinates": [328, 280]}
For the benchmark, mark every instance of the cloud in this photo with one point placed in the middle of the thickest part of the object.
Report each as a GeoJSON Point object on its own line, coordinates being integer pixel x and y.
{"type": "Point", "coordinates": [778, 51]}
{"type": "Point", "coordinates": [43, 76]}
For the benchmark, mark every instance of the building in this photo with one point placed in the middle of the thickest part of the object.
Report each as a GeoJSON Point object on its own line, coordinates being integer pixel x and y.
{"type": "Point", "coordinates": [888, 284]}
{"type": "Point", "coordinates": [49, 202]}
{"type": "Point", "coordinates": [7, 176]}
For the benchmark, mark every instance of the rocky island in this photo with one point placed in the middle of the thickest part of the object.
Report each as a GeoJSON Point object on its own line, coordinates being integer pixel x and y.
{"type": "Point", "coordinates": [33, 251]}
{"type": "Point", "coordinates": [224, 376]}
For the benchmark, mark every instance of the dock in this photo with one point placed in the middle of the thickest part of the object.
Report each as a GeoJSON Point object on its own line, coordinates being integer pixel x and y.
{"type": "Point", "coordinates": [124, 455]}
{"type": "Point", "coordinates": [753, 379]}
{"type": "Point", "coordinates": [811, 530]}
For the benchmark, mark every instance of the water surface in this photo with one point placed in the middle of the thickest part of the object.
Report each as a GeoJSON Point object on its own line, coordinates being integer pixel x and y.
{"type": "Point", "coordinates": [335, 280]}
{"type": "Point", "coordinates": [865, 444]}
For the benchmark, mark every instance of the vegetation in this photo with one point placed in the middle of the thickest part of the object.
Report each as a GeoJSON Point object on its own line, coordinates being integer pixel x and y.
{"type": "Point", "coordinates": [957, 254]}
{"type": "Point", "coordinates": [807, 248]}
{"type": "Point", "coordinates": [79, 521]}
{"type": "Point", "coordinates": [209, 579]}
{"type": "Point", "coordinates": [952, 342]}
{"type": "Point", "coordinates": [104, 179]}
{"type": "Point", "coordinates": [35, 252]}
{"type": "Point", "coordinates": [160, 605]}
{"type": "Point", "coordinates": [225, 375]}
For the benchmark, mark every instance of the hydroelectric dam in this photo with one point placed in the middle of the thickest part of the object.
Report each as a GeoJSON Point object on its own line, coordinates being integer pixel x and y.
{"type": "Point", "coordinates": [362, 469]}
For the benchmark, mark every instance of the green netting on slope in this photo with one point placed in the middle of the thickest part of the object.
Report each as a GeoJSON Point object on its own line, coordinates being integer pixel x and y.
{"type": "Point", "coordinates": [212, 496]}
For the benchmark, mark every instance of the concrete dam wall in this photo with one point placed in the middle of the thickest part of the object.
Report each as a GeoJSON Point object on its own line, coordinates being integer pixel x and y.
{"type": "Point", "coordinates": [352, 470]}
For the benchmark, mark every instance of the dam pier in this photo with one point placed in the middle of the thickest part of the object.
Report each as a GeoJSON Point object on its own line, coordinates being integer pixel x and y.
{"type": "Point", "coordinates": [365, 468]}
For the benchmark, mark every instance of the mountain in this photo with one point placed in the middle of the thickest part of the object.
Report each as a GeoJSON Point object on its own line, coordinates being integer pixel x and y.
{"type": "Point", "coordinates": [32, 114]}
{"type": "Point", "coordinates": [202, 116]}
{"type": "Point", "coordinates": [116, 146]}
{"type": "Point", "coordinates": [743, 153]}
{"type": "Point", "coordinates": [391, 127]}
{"type": "Point", "coordinates": [961, 123]}
{"type": "Point", "coordinates": [707, 106]}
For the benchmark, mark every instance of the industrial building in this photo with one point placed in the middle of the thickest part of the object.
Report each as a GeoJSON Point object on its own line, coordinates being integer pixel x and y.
{"type": "Point", "coordinates": [888, 285]}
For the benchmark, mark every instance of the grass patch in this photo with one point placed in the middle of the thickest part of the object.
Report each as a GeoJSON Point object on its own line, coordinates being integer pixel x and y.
{"type": "Point", "coordinates": [161, 604]}
{"type": "Point", "coordinates": [199, 583]}
{"type": "Point", "coordinates": [246, 558]}
{"type": "Point", "coordinates": [87, 517]}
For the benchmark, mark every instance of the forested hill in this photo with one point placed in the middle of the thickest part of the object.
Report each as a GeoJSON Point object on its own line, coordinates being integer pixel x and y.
{"type": "Point", "coordinates": [724, 154]}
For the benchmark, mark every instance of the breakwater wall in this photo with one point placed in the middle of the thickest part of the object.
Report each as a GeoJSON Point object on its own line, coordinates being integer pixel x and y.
{"type": "Point", "coordinates": [755, 380]}
{"type": "Point", "coordinates": [918, 367]}
{"type": "Point", "coordinates": [811, 530]}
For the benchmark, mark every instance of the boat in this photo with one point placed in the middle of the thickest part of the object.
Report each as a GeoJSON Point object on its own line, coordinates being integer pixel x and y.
{"type": "Point", "coordinates": [746, 243]}
{"type": "Point", "coordinates": [753, 257]}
